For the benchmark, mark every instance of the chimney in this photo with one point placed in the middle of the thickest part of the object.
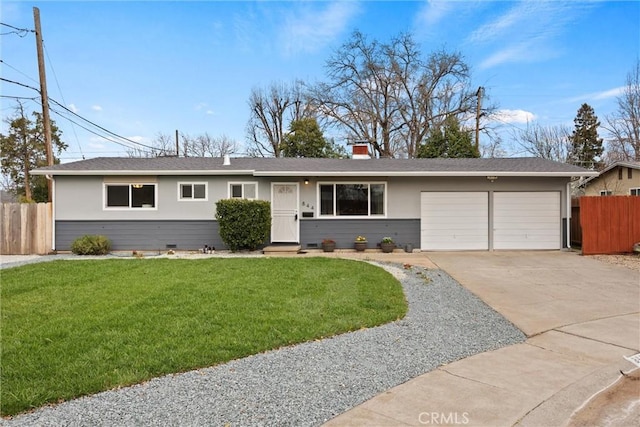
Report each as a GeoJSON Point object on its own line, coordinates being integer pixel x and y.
{"type": "Point", "coordinates": [226, 161]}
{"type": "Point", "coordinates": [360, 151]}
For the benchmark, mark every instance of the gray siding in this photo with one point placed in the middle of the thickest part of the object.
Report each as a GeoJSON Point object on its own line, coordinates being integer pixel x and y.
{"type": "Point", "coordinates": [193, 235]}
{"type": "Point", "coordinates": [344, 231]}
{"type": "Point", "coordinates": [142, 235]}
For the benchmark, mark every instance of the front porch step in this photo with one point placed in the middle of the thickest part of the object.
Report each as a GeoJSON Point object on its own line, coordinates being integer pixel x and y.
{"type": "Point", "coordinates": [281, 249]}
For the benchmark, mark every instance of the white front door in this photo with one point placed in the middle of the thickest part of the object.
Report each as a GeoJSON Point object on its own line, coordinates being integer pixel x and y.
{"type": "Point", "coordinates": [284, 212]}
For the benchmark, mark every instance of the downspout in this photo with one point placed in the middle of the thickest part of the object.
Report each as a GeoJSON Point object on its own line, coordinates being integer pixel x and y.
{"type": "Point", "coordinates": [569, 209]}
{"type": "Point", "coordinates": [53, 212]}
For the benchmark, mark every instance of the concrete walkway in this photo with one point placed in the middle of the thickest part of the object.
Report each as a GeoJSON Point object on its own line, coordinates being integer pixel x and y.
{"type": "Point", "coordinates": [582, 317]}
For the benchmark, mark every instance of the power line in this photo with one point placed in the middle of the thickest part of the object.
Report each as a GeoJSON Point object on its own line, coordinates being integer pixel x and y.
{"type": "Point", "coordinates": [92, 131]}
{"type": "Point", "coordinates": [19, 97]}
{"type": "Point", "coordinates": [85, 119]}
{"type": "Point", "coordinates": [21, 32]}
{"type": "Point", "coordinates": [14, 68]}
{"type": "Point", "coordinates": [55, 77]}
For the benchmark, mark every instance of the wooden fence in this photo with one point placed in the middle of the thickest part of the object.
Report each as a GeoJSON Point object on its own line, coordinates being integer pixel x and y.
{"type": "Point", "coordinates": [610, 225]}
{"type": "Point", "coordinates": [576, 229]}
{"type": "Point", "coordinates": [26, 228]}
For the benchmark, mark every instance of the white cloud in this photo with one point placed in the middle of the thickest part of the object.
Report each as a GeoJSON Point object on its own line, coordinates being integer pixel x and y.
{"type": "Point", "coordinates": [307, 29]}
{"type": "Point", "coordinates": [512, 116]}
{"type": "Point", "coordinates": [596, 96]}
{"type": "Point", "coordinates": [137, 138]}
{"type": "Point", "coordinates": [210, 113]}
{"type": "Point", "coordinates": [527, 31]}
{"type": "Point", "coordinates": [611, 93]}
{"type": "Point", "coordinates": [433, 12]}
{"type": "Point", "coordinates": [73, 108]}
{"type": "Point", "coordinates": [96, 108]}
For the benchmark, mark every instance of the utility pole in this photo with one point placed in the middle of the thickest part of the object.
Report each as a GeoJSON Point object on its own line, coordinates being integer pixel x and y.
{"type": "Point", "coordinates": [43, 95]}
{"type": "Point", "coordinates": [479, 94]}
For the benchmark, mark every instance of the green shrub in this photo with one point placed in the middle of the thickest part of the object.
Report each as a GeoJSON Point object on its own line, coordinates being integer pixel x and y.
{"type": "Point", "coordinates": [91, 245]}
{"type": "Point", "coordinates": [244, 224]}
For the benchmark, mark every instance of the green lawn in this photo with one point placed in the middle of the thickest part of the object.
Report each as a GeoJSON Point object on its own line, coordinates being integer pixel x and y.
{"type": "Point", "coordinates": [71, 328]}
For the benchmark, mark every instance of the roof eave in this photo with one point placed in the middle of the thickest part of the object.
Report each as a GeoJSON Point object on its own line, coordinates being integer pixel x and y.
{"type": "Point", "coordinates": [139, 172]}
{"type": "Point", "coordinates": [426, 173]}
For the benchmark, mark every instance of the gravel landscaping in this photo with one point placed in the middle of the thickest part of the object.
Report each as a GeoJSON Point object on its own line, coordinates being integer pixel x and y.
{"type": "Point", "coordinates": [310, 383]}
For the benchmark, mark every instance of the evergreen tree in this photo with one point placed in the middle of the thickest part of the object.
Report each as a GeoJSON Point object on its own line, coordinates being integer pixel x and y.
{"type": "Point", "coordinates": [23, 149]}
{"type": "Point", "coordinates": [305, 139]}
{"type": "Point", "coordinates": [449, 141]}
{"type": "Point", "coordinates": [586, 146]}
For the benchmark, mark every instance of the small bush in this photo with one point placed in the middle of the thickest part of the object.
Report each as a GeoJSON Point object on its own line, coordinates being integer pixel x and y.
{"type": "Point", "coordinates": [91, 245]}
{"type": "Point", "coordinates": [244, 224]}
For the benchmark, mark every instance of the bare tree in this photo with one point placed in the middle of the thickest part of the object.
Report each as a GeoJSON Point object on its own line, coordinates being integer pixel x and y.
{"type": "Point", "coordinates": [207, 146]}
{"type": "Point", "coordinates": [388, 95]}
{"type": "Point", "coordinates": [271, 112]}
{"type": "Point", "coordinates": [547, 142]}
{"type": "Point", "coordinates": [493, 148]}
{"type": "Point", "coordinates": [624, 125]}
{"type": "Point", "coordinates": [163, 145]}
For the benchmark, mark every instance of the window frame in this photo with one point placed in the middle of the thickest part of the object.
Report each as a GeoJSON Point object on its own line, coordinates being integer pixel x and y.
{"type": "Point", "coordinates": [242, 183]}
{"type": "Point", "coordinates": [193, 198]}
{"type": "Point", "coordinates": [636, 189]}
{"type": "Point", "coordinates": [335, 215]}
{"type": "Point", "coordinates": [606, 193]}
{"type": "Point", "coordinates": [105, 186]}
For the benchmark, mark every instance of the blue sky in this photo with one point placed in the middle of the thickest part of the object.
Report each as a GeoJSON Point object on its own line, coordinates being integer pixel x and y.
{"type": "Point", "coordinates": [139, 68]}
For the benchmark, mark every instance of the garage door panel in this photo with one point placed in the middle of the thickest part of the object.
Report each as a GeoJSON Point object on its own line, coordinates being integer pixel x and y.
{"type": "Point", "coordinates": [526, 220]}
{"type": "Point", "coordinates": [454, 221]}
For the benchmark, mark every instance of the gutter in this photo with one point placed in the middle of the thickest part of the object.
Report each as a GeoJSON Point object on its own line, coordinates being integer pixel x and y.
{"type": "Point", "coordinates": [312, 173]}
{"type": "Point", "coordinates": [53, 211]}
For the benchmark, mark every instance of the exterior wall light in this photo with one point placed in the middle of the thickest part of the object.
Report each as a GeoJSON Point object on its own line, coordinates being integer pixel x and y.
{"type": "Point", "coordinates": [492, 178]}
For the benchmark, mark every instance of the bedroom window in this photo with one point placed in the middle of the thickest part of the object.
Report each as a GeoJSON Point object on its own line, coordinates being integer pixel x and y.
{"type": "Point", "coordinates": [243, 190]}
{"type": "Point", "coordinates": [352, 199]}
{"type": "Point", "coordinates": [192, 191]}
{"type": "Point", "coordinates": [130, 196]}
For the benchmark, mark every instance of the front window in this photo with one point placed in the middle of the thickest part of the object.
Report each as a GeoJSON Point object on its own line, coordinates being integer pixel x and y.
{"type": "Point", "coordinates": [243, 190]}
{"type": "Point", "coordinates": [352, 199]}
{"type": "Point", "coordinates": [606, 193]}
{"type": "Point", "coordinates": [130, 195]}
{"type": "Point", "coordinates": [634, 191]}
{"type": "Point", "coordinates": [192, 191]}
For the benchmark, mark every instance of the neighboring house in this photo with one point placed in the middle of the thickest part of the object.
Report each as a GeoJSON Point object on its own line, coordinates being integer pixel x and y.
{"type": "Point", "coordinates": [619, 179]}
{"type": "Point", "coordinates": [431, 204]}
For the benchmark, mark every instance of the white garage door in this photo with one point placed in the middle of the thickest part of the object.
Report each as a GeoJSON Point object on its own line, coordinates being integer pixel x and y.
{"type": "Point", "coordinates": [454, 221]}
{"type": "Point", "coordinates": [526, 220]}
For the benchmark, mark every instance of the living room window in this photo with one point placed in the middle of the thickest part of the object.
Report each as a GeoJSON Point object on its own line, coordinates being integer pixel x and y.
{"type": "Point", "coordinates": [352, 199]}
{"type": "Point", "coordinates": [243, 190]}
{"type": "Point", "coordinates": [192, 191]}
{"type": "Point", "coordinates": [130, 196]}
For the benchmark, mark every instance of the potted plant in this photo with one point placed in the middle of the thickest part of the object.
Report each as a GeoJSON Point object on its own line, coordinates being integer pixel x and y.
{"type": "Point", "coordinates": [360, 244]}
{"type": "Point", "coordinates": [387, 245]}
{"type": "Point", "coordinates": [328, 245]}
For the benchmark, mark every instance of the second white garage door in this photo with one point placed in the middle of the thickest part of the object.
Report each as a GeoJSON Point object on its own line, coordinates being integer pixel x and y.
{"type": "Point", "coordinates": [454, 221]}
{"type": "Point", "coordinates": [526, 220]}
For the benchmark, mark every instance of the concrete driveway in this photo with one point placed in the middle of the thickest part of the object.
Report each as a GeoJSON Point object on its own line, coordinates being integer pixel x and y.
{"type": "Point", "coordinates": [582, 317]}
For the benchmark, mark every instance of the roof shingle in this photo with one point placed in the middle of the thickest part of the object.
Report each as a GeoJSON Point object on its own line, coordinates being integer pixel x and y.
{"type": "Point", "coordinates": [525, 166]}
